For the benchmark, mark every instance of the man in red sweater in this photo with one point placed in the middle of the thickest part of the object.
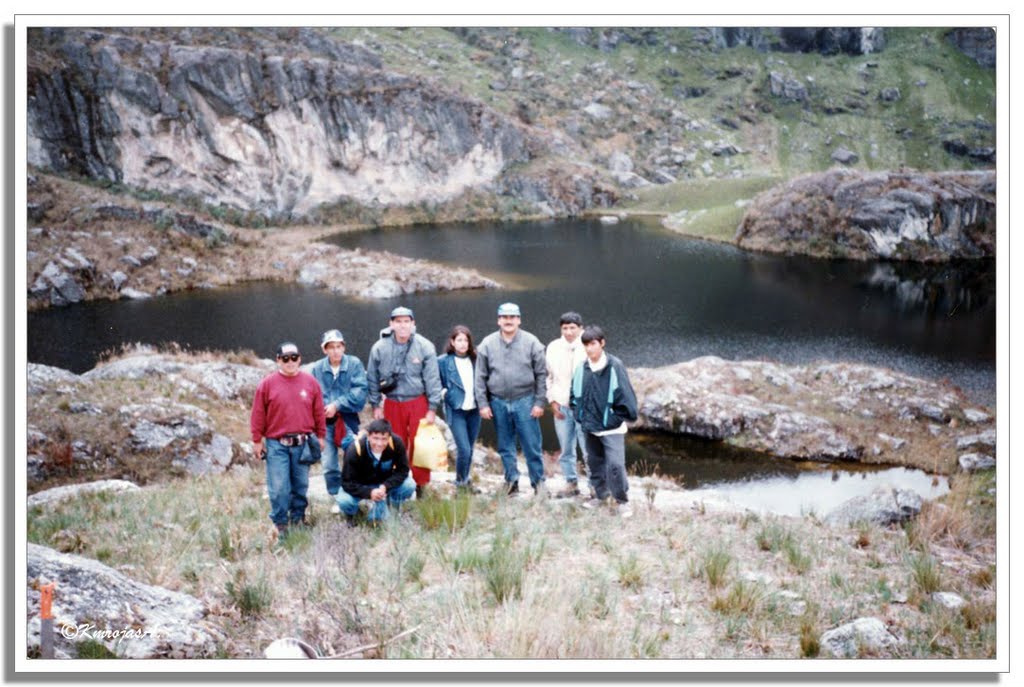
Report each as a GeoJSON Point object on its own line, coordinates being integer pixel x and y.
{"type": "Point", "coordinates": [287, 409]}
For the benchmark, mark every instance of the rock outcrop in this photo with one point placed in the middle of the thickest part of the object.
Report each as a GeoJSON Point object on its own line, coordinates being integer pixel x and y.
{"type": "Point", "coordinates": [929, 217]}
{"type": "Point", "coordinates": [235, 127]}
{"type": "Point", "coordinates": [72, 491]}
{"type": "Point", "coordinates": [131, 619]}
{"type": "Point", "coordinates": [830, 411]}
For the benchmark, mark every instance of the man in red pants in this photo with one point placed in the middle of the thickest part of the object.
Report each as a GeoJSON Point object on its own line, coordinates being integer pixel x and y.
{"type": "Point", "coordinates": [402, 370]}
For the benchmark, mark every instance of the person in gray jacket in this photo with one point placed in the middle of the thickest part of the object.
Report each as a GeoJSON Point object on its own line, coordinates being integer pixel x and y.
{"type": "Point", "coordinates": [511, 380]}
{"type": "Point", "coordinates": [404, 383]}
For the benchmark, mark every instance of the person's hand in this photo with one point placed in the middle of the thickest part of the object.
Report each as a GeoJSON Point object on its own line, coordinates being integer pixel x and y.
{"type": "Point", "coordinates": [257, 449]}
{"type": "Point", "coordinates": [378, 413]}
{"type": "Point", "coordinates": [330, 410]}
{"type": "Point", "coordinates": [430, 417]}
{"type": "Point", "coordinates": [537, 411]}
{"type": "Point", "coordinates": [486, 413]}
{"type": "Point", "coordinates": [379, 493]}
{"type": "Point", "coordinates": [323, 444]}
{"type": "Point", "coordinates": [556, 410]}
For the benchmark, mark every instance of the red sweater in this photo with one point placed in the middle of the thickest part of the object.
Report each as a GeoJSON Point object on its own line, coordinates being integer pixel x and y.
{"type": "Point", "coordinates": [287, 405]}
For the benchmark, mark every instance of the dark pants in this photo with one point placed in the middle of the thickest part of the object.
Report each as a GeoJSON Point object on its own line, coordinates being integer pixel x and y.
{"type": "Point", "coordinates": [606, 458]}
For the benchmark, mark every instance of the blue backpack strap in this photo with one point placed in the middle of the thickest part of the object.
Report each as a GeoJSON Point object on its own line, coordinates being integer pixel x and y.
{"type": "Point", "coordinates": [577, 380]}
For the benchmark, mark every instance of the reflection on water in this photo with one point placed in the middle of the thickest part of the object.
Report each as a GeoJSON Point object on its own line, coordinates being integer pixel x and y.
{"type": "Point", "coordinates": [758, 483]}
{"type": "Point", "coordinates": [821, 491]}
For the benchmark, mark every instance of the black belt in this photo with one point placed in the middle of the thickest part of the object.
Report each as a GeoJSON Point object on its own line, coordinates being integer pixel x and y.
{"type": "Point", "coordinates": [292, 439]}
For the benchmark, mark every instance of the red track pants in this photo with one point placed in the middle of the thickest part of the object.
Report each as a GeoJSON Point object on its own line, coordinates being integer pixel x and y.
{"type": "Point", "coordinates": [405, 417]}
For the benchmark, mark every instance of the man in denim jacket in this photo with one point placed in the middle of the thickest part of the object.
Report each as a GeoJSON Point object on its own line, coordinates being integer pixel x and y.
{"type": "Point", "coordinates": [343, 382]}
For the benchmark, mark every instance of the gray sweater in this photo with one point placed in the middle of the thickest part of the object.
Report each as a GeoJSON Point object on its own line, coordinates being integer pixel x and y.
{"type": "Point", "coordinates": [511, 370]}
{"type": "Point", "coordinates": [420, 376]}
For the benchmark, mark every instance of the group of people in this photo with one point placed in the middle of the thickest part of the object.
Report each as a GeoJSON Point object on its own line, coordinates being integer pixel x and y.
{"type": "Point", "coordinates": [302, 415]}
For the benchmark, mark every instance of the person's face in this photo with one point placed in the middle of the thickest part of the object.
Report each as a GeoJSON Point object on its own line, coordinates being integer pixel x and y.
{"type": "Point", "coordinates": [508, 324]}
{"type": "Point", "coordinates": [402, 327]}
{"type": "Point", "coordinates": [460, 342]}
{"type": "Point", "coordinates": [594, 349]}
{"type": "Point", "coordinates": [289, 363]}
{"type": "Point", "coordinates": [378, 442]}
{"type": "Point", "coordinates": [335, 350]}
{"type": "Point", "coordinates": [571, 331]}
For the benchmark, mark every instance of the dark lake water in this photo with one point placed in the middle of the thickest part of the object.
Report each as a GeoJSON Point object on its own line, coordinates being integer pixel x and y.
{"type": "Point", "coordinates": [660, 298]}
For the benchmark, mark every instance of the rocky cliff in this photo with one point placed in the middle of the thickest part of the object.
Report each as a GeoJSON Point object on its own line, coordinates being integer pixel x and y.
{"type": "Point", "coordinates": [893, 215]}
{"type": "Point", "coordinates": [278, 134]}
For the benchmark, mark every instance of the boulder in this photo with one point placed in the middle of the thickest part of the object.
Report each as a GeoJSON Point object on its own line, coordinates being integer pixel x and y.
{"type": "Point", "coordinates": [56, 285]}
{"type": "Point", "coordinates": [598, 111]}
{"type": "Point", "coordinates": [67, 492]}
{"type": "Point", "coordinates": [986, 438]}
{"type": "Point", "coordinates": [133, 620]}
{"type": "Point", "coordinates": [861, 638]}
{"type": "Point", "coordinates": [229, 380]}
{"type": "Point", "coordinates": [844, 156]}
{"type": "Point", "coordinates": [972, 462]}
{"type": "Point", "coordinates": [137, 366]}
{"type": "Point", "coordinates": [786, 88]}
{"type": "Point", "coordinates": [949, 600]}
{"type": "Point", "coordinates": [883, 506]}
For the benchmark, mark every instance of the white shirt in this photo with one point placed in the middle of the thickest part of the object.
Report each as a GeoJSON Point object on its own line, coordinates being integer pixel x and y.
{"type": "Point", "coordinates": [602, 363]}
{"type": "Point", "coordinates": [465, 369]}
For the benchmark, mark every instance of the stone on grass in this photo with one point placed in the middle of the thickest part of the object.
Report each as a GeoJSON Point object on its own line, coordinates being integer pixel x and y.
{"type": "Point", "coordinates": [949, 600]}
{"type": "Point", "coordinates": [70, 491]}
{"type": "Point", "coordinates": [883, 506]}
{"type": "Point", "coordinates": [970, 462]}
{"type": "Point", "coordinates": [862, 637]}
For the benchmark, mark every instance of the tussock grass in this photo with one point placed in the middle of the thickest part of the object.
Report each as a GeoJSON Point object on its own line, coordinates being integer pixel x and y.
{"type": "Point", "coordinates": [925, 573]}
{"type": "Point", "coordinates": [519, 578]}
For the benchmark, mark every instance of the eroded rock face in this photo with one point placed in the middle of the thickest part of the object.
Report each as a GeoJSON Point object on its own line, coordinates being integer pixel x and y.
{"type": "Point", "coordinates": [935, 216]}
{"type": "Point", "coordinates": [91, 598]}
{"type": "Point", "coordinates": [275, 134]}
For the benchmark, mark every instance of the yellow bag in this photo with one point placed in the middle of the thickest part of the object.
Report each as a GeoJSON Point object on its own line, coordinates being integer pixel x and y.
{"type": "Point", "coordinates": [430, 450]}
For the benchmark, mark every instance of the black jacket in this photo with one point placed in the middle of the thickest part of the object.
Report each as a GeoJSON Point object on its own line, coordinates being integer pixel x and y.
{"type": "Point", "coordinates": [604, 400]}
{"type": "Point", "coordinates": [360, 476]}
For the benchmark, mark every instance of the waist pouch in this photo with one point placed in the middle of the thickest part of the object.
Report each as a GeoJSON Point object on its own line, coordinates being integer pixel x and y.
{"type": "Point", "coordinates": [311, 455]}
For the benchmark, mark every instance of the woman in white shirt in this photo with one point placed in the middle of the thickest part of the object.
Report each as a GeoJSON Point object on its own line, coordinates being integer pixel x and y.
{"type": "Point", "coordinates": [460, 407]}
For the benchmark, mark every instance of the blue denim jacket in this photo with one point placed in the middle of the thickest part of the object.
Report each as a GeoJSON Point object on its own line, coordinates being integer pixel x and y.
{"type": "Point", "coordinates": [455, 394]}
{"type": "Point", "coordinates": [349, 390]}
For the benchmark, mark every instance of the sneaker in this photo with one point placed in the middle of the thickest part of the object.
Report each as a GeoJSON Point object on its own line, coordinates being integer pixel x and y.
{"type": "Point", "coordinates": [624, 510]}
{"type": "Point", "coordinates": [571, 490]}
{"type": "Point", "coordinates": [511, 488]}
{"type": "Point", "coordinates": [350, 520]}
{"type": "Point", "coordinates": [335, 509]}
{"type": "Point", "coordinates": [591, 504]}
{"type": "Point", "coordinates": [540, 490]}
{"type": "Point", "coordinates": [467, 489]}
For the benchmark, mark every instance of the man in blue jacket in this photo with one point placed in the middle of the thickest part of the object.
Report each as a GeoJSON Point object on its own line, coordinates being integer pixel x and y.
{"type": "Point", "coordinates": [342, 380]}
{"type": "Point", "coordinates": [603, 401]}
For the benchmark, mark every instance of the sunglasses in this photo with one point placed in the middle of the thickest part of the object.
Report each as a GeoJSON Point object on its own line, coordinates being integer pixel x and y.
{"type": "Point", "coordinates": [289, 357]}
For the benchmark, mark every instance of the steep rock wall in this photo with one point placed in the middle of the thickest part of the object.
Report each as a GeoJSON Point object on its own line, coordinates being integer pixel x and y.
{"type": "Point", "coordinates": [276, 134]}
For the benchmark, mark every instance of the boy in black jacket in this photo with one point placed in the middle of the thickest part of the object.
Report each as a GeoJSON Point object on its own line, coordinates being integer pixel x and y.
{"type": "Point", "coordinates": [376, 469]}
{"type": "Point", "coordinates": [602, 400]}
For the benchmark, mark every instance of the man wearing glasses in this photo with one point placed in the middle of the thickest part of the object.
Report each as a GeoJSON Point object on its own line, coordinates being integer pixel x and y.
{"type": "Point", "coordinates": [287, 409]}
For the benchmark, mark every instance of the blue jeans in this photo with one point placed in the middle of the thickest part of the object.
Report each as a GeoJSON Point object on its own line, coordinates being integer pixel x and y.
{"type": "Point", "coordinates": [329, 456]}
{"type": "Point", "coordinates": [465, 426]}
{"type": "Point", "coordinates": [512, 420]}
{"type": "Point", "coordinates": [287, 482]}
{"type": "Point", "coordinates": [349, 504]}
{"type": "Point", "coordinates": [570, 435]}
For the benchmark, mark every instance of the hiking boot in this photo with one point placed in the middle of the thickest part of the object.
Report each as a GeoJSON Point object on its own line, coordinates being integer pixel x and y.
{"type": "Point", "coordinates": [467, 489]}
{"type": "Point", "coordinates": [624, 510]}
{"type": "Point", "coordinates": [419, 491]}
{"type": "Point", "coordinates": [335, 508]}
{"type": "Point", "coordinates": [350, 520]}
{"type": "Point", "coordinates": [591, 504]}
{"type": "Point", "coordinates": [282, 529]}
{"type": "Point", "coordinates": [511, 488]}
{"type": "Point", "coordinates": [570, 490]}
